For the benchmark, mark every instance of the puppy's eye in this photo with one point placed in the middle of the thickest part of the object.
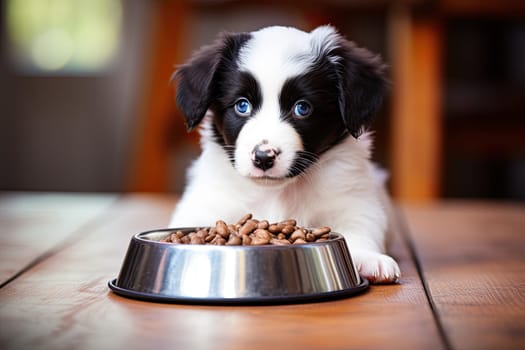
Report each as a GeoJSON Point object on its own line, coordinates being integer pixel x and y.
{"type": "Point", "coordinates": [302, 109]}
{"type": "Point", "coordinates": [243, 107]}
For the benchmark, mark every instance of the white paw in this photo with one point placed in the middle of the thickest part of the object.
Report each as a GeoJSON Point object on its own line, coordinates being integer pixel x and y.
{"type": "Point", "coordinates": [376, 267]}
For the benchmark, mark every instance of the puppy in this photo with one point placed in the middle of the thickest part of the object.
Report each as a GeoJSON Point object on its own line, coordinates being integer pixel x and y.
{"type": "Point", "coordinates": [283, 115]}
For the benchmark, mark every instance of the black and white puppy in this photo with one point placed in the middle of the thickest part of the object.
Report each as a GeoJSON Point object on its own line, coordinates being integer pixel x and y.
{"type": "Point", "coordinates": [283, 116]}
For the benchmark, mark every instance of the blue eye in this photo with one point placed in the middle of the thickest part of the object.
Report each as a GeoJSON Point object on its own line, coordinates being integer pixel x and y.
{"type": "Point", "coordinates": [302, 109]}
{"type": "Point", "coordinates": [243, 107]}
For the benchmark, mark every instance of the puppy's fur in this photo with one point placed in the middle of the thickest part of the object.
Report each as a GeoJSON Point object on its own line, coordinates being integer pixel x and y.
{"type": "Point", "coordinates": [283, 116]}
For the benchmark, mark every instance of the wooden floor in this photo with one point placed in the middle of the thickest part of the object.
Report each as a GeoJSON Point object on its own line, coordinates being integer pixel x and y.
{"type": "Point", "coordinates": [463, 284]}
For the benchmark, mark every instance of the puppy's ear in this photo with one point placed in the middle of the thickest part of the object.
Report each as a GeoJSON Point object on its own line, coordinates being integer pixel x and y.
{"type": "Point", "coordinates": [196, 79]}
{"type": "Point", "coordinates": [362, 86]}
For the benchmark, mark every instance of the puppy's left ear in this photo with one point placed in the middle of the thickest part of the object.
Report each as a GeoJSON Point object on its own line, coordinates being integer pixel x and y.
{"type": "Point", "coordinates": [362, 86]}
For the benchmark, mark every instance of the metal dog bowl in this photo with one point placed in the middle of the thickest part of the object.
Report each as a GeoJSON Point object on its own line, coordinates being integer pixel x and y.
{"type": "Point", "coordinates": [210, 274]}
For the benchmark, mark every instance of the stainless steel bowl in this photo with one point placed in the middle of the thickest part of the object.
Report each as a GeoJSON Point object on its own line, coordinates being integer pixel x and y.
{"type": "Point", "coordinates": [210, 274]}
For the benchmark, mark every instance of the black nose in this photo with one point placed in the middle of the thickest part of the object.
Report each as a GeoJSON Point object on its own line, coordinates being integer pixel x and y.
{"type": "Point", "coordinates": [263, 159]}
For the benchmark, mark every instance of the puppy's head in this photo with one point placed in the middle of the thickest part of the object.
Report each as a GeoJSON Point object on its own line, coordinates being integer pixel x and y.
{"type": "Point", "coordinates": [280, 97]}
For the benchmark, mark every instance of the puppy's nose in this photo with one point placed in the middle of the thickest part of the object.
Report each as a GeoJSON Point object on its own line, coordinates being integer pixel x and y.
{"type": "Point", "coordinates": [264, 157]}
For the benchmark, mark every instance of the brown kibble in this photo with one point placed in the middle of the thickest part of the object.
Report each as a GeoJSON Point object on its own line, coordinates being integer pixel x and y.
{"type": "Point", "coordinates": [221, 228]}
{"type": "Point", "coordinates": [260, 233]}
{"type": "Point", "coordinates": [264, 224]}
{"type": "Point", "coordinates": [289, 222]}
{"type": "Point", "coordinates": [298, 234]}
{"type": "Point", "coordinates": [246, 240]}
{"type": "Point", "coordinates": [234, 240]}
{"type": "Point", "coordinates": [259, 241]}
{"type": "Point", "coordinates": [220, 240]}
{"type": "Point", "coordinates": [248, 227]}
{"type": "Point", "coordinates": [196, 240]}
{"type": "Point", "coordinates": [288, 229]}
{"type": "Point", "coordinates": [276, 241]}
{"type": "Point", "coordinates": [202, 233]}
{"type": "Point", "coordinates": [232, 229]}
{"type": "Point", "coordinates": [250, 231]}
{"type": "Point", "coordinates": [318, 232]}
{"type": "Point", "coordinates": [245, 218]}
{"type": "Point", "coordinates": [275, 228]}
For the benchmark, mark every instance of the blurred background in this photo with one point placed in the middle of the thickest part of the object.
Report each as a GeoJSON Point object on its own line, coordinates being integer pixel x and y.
{"type": "Point", "coordinates": [86, 104]}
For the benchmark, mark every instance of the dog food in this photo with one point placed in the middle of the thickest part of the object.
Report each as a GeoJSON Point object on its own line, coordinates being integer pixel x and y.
{"type": "Point", "coordinates": [249, 231]}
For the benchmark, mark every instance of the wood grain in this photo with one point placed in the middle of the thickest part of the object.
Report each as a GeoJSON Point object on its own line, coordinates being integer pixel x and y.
{"type": "Point", "coordinates": [473, 257]}
{"type": "Point", "coordinates": [33, 224]}
{"type": "Point", "coordinates": [64, 303]}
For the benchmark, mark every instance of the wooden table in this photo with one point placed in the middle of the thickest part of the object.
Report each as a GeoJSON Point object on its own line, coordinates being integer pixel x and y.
{"type": "Point", "coordinates": [463, 284]}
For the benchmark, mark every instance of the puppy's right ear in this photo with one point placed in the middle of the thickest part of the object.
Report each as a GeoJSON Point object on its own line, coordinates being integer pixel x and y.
{"type": "Point", "coordinates": [196, 79]}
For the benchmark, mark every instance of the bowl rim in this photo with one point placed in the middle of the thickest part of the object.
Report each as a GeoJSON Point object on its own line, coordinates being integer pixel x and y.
{"type": "Point", "coordinates": [139, 237]}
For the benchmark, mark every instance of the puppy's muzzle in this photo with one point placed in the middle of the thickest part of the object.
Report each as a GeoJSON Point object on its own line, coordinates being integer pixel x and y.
{"type": "Point", "coordinates": [263, 156]}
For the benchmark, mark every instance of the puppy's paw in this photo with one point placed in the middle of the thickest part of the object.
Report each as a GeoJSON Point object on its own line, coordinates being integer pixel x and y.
{"type": "Point", "coordinates": [376, 267]}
